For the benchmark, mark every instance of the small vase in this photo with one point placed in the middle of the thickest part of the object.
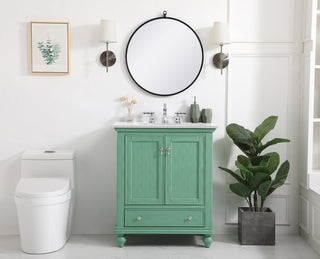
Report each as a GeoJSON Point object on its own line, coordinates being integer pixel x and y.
{"type": "Point", "coordinates": [206, 115]}
{"type": "Point", "coordinates": [129, 116]}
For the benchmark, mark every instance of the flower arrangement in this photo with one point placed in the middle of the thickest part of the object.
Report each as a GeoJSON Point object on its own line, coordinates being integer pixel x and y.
{"type": "Point", "coordinates": [129, 103]}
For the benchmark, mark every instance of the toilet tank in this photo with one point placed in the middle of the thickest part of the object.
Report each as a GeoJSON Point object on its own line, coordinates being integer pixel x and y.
{"type": "Point", "coordinates": [48, 163]}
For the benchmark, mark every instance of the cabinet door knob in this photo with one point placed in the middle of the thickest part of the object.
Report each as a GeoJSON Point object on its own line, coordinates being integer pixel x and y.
{"type": "Point", "coordinates": [168, 151]}
{"type": "Point", "coordinates": [161, 151]}
{"type": "Point", "coordinates": [189, 218]}
{"type": "Point", "coordinates": [139, 218]}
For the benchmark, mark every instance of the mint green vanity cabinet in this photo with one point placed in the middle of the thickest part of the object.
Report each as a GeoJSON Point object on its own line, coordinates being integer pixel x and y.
{"type": "Point", "coordinates": [144, 166]}
{"type": "Point", "coordinates": [185, 169]}
{"type": "Point", "coordinates": [164, 181]}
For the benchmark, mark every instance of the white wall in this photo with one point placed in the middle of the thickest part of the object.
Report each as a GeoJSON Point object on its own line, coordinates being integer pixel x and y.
{"type": "Point", "coordinates": [77, 110]}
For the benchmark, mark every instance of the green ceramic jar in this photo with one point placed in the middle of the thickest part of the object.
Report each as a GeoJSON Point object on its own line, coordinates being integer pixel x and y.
{"type": "Point", "coordinates": [206, 115]}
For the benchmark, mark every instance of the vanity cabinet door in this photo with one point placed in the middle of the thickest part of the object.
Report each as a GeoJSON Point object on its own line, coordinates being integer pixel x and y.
{"type": "Point", "coordinates": [144, 169]}
{"type": "Point", "coordinates": [185, 169]}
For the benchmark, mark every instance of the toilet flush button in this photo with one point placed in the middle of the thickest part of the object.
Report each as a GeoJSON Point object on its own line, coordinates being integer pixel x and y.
{"type": "Point", "coordinates": [49, 151]}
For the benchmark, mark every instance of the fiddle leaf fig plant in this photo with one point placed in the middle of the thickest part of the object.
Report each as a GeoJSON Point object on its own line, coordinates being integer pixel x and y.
{"type": "Point", "coordinates": [254, 168]}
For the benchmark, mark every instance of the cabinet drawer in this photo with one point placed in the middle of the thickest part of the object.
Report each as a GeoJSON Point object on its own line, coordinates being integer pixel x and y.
{"type": "Point", "coordinates": [164, 217]}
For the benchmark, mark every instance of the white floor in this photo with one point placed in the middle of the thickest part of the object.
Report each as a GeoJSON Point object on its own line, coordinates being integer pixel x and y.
{"type": "Point", "coordinates": [164, 246]}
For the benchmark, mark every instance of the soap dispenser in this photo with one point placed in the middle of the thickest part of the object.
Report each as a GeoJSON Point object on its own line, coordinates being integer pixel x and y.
{"type": "Point", "coordinates": [195, 112]}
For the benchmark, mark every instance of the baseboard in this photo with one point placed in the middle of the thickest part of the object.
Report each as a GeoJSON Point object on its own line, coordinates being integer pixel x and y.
{"type": "Point", "coordinates": [308, 238]}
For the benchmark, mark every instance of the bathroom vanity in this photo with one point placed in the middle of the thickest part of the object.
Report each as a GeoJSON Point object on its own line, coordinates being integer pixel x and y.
{"type": "Point", "coordinates": [164, 179]}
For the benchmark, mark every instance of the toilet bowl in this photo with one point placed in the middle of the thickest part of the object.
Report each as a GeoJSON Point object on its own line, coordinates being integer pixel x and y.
{"type": "Point", "coordinates": [44, 204]}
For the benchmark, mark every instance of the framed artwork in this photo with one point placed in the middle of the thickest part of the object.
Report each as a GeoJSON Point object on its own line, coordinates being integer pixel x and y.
{"type": "Point", "coordinates": [49, 47]}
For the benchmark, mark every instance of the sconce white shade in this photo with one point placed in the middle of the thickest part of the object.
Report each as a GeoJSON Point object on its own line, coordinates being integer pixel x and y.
{"type": "Point", "coordinates": [221, 33]}
{"type": "Point", "coordinates": [108, 31]}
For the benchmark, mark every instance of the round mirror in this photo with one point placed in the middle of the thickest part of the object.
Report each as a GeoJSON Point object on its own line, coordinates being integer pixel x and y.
{"type": "Point", "coordinates": [164, 56]}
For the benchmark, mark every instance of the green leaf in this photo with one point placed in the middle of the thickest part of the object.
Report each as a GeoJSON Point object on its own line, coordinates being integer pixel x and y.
{"type": "Point", "coordinates": [240, 189]}
{"type": "Point", "coordinates": [281, 175]}
{"type": "Point", "coordinates": [267, 163]}
{"type": "Point", "coordinates": [241, 137]}
{"type": "Point", "coordinates": [233, 174]}
{"type": "Point", "coordinates": [271, 190]}
{"type": "Point", "coordinates": [258, 169]}
{"type": "Point", "coordinates": [239, 134]}
{"type": "Point", "coordinates": [274, 160]}
{"type": "Point", "coordinates": [247, 150]}
{"type": "Point", "coordinates": [244, 160]}
{"type": "Point", "coordinates": [260, 160]}
{"type": "Point", "coordinates": [259, 164]}
{"type": "Point", "coordinates": [265, 127]}
{"type": "Point", "coordinates": [257, 179]}
{"type": "Point", "coordinates": [243, 169]}
{"type": "Point", "coordinates": [272, 142]}
{"type": "Point", "coordinates": [263, 189]}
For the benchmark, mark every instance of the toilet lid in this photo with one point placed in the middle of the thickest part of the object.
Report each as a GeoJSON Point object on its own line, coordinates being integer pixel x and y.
{"type": "Point", "coordinates": [42, 187]}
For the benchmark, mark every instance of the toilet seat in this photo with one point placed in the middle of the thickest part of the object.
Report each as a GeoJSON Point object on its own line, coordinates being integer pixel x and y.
{"type": "Point", "coordinates": [42, 191]}
{"type": "Point", "coordinates": [42, 187]}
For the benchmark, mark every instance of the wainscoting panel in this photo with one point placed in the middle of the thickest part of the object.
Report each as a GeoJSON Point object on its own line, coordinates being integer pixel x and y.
{"type": "Point", "coordinates": [233, 202]}
{"type": "Point", "coordinates": [304, 214]}
{"type": "Point", "coordinates": [316, 223]}
{"type": "Point", "coordinates": [309, 220]}
{"type": "Point", "coordinates": [280, 205]}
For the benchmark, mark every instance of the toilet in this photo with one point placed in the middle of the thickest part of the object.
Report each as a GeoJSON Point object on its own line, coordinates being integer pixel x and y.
{"type": "Point", "coordinates": [44, 199]}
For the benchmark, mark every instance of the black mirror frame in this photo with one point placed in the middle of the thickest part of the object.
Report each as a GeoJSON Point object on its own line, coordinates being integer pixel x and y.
{"type": "Point", "coordinates": [157, 18]}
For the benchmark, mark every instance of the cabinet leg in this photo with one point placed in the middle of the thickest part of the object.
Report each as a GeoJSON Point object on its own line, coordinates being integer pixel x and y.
{"type": "Point", "coordinates": [121, 240]}
{"type": "Point", "coordinates": [207, 240]}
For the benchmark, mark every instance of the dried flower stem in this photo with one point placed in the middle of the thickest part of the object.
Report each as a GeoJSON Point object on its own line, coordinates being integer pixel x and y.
{"type": "Point", "coordinates": [129, 103]}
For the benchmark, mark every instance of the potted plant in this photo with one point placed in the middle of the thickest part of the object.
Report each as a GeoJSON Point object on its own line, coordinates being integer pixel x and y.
{"type": "Point", "coordinates": [256, 224]}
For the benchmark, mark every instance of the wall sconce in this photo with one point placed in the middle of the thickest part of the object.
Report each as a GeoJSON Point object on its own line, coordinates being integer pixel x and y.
{"type": "Point", "coordinates": [221, 36]}
{"type": "Point", "coordinates": [108, 34]}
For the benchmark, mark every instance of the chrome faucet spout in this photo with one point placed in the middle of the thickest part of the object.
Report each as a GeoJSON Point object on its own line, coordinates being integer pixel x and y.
{"type": "Point", "coordinates": [164, 117]}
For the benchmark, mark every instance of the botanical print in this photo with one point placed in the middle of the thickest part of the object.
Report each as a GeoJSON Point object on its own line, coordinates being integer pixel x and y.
{"type": "Point", "coordinates": [50, 51]}
{"type": "Point", "coordinates": [49, 47]}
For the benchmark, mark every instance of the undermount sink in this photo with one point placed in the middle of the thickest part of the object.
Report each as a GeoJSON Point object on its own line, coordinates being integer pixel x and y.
{"type": "Point", "coordinates": [185, 125]}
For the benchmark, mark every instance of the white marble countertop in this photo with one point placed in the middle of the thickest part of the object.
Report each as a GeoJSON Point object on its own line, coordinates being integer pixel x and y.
{"type": "Point", "coordinates": [183, 125]}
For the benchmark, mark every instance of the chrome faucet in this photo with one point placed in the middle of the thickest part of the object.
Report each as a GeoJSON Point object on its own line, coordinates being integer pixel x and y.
{"type": "Point", "coordinates": [164, 117]}
{"type": "Point", "coordinates": [178, 118]}
{"type": "Point", "coordinates": [152, 119]}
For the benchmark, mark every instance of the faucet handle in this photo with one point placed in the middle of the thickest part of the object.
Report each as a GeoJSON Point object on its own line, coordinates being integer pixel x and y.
{"type": "Point", "coordinates": [152, 118]}
{"type": "Point", "coordinates": [178, 118]}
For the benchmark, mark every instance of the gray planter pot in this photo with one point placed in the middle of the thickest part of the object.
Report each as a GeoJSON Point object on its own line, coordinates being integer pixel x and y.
{"type": "Point", "coordinates": [256, 228]}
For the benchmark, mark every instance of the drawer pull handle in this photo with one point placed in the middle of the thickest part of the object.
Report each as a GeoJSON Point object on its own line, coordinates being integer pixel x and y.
{"type": "Point", "coordinates": [168, 151]}
{"type": "Point", "coordinates": [189, 218]}
{"type": "Point", "coordinates": [139, 218]}
{"type": "Point", "coordinates": [161, 151]}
